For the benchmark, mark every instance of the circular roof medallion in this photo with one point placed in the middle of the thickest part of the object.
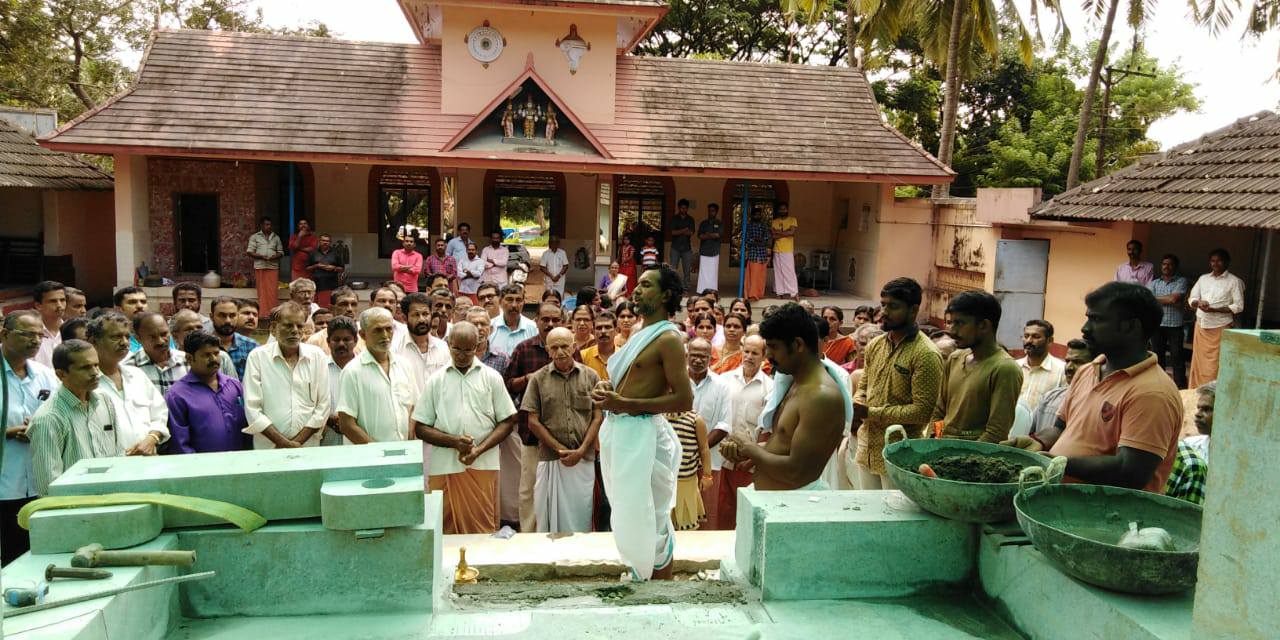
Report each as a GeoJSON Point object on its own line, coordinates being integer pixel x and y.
{"type": "Point", "coordinates": [485, 44]}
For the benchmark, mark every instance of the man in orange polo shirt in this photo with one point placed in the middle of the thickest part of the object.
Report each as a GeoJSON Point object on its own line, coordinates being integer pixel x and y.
{"type": "Point", "coordinates": [1122, 414]}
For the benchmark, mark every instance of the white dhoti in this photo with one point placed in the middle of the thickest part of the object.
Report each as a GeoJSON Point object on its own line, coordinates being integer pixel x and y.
{"type": "Point", "coordinates": [639, 459]}
{"type": "Point", "coordinates": [563, 496]}
{"type": "Point", "coordinates": [558, 287]}
{"type": "Point", "coordinates": [784, 274]}
{"type": "Point", "coordinates": [708, 273]}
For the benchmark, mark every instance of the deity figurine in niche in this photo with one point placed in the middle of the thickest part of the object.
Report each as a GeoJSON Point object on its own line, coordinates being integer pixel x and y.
{"type": "Point", "coordinates": [553, 124]}
{"type": "Point", "coordinates": [530, 117]}
{"type": "Point", "coordinates": [509, 120]}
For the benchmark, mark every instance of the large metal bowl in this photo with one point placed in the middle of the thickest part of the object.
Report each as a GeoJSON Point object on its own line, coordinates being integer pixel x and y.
{"type": "Point", "coordinates": [1077, 526]}
{"type": "Point", "coordinates": [965, 501]}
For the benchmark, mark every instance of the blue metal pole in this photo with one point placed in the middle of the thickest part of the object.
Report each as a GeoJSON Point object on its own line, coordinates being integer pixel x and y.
{"type": "Point", "coordinates": [742, 241]}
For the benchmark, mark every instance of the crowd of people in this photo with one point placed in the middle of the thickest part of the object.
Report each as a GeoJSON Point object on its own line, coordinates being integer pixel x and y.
{"type": "Point", "coordinates": [642, 414]}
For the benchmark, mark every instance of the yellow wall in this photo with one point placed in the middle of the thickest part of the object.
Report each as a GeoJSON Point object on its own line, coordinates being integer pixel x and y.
{"type": "Point", "coordinates": [342, 201]}
{"type": "Point", "coordinates": [467, 86]}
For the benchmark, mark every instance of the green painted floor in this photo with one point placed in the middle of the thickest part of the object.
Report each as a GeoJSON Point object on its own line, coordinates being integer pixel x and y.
{"type": "Point", "coordinates": [931, 617]}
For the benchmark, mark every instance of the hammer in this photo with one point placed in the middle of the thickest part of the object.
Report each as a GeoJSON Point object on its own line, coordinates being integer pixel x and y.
{"type": "Point", "coordinates": [93, 555]}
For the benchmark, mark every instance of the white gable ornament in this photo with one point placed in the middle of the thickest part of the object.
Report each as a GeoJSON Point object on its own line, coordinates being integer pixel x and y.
{"type": "Point", "coordinates": [574, 47]}
{"type": "Point", "coordinates": [485, 43]}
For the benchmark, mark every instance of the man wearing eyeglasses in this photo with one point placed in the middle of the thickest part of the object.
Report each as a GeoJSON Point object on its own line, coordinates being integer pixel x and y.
{"type": "Point", "coordinates": [29, 384]}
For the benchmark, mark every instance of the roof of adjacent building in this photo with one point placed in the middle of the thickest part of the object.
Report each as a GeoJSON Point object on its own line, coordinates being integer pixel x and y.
{"type": "Point", "coordinates": [24, 163]}
{"type": "Point", "coordinates": [223, 93]}
{"type": "Point", "coordinates": [1229, 177]}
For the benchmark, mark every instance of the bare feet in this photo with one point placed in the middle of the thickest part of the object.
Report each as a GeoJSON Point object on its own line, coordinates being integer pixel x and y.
{"type": "Point", "coordinates": [665, 573]}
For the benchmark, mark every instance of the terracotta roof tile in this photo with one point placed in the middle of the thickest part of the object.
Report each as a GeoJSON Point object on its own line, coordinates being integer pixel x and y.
{"type": "Point", "coordinates": [1229, 177]}
{"type": "Point", "coordinates": [231, 92]}
{"type": "Point", "coordinates": [24, 163]}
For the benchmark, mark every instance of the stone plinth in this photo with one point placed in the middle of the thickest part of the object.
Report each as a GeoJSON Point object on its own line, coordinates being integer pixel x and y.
{"type": "Point", "coordinates": [279, 484]}
{"type": "Point", "coordinates": [348, 505]}
{"type": "Point", "coordinates": [1239, 548]}
{"type": "Point", "coordinates": [811, 545]}
{"type": "Point", "coordinates": [114, 527]}
{"type": "Point", "coordinates": [304, 569]}
{"type": "Point", "coordinates": [1047, 604]}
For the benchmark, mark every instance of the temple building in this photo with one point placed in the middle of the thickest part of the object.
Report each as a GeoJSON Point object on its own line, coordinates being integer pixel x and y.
{"type": "Point", "coordinates": [502, 108]}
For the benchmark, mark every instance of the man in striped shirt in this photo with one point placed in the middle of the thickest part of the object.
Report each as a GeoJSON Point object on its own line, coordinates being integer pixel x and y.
{"type": "Point", "coordinates": [77, 422]}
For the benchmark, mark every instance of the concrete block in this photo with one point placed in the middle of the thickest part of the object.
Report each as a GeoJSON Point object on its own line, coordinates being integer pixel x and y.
{"type": "Point", "coordinates": [145, 614]}
{"type": "Point", "coordinates": [811, 545]}
{"type": "Point", "coordinates": [1046, 604]}
{"type": "Point", "coordinates": [305, 569]}
{"type": "Point", "coordinates": [1239, 548]}
{"type": "Point", "coordinates": [279, 484]}
{"type": "Point", "coordinates": [115, 527]}
{"type": "Point", "coordinates": [348, 505]}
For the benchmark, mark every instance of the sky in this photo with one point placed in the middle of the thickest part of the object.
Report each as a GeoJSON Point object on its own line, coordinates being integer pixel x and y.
{"type": "Point", "coordinates": [1232, 77]}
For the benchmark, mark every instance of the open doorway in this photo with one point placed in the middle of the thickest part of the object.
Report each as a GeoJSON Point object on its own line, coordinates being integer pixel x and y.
{"type": "Point", "coordinates": [197, 217]}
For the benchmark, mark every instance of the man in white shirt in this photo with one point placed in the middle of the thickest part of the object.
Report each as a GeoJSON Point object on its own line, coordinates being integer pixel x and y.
{"type": "Point", "coordinates": [286, 386]}
{"type": "Point", "coordinates": [495, 260]}
{"type": "Point", "coordinates": [376, 394]}
{"type": "Point", "coordinates": [711, 403]}
{"type": "Point", "coordinates": [1216, 297]}
{"type": "Point", "coordinates": [341, 340]}
{"type": "Point", "coordinates": [470, 271]}
{"type": "Point", "coordinates": [51, 302]}
{"type": "Point", "coordinates": [464, 412]}
{"type": "Point", "coordinates": [1040, 370]}
{"type": "Point", "coordinates": [554, 265]}
{"type": "Point", "coordinates": [422, 353]}
{"type": "Point", "coordinates": [749, 391]}
{"type": "Point", "coordinates": [142, 417]}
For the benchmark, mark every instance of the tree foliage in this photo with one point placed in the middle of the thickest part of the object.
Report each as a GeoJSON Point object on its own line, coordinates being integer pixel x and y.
{"type": "Point", "coordinates": [746, 30]}
{"type": "Point", "coordinates": [69, 55]}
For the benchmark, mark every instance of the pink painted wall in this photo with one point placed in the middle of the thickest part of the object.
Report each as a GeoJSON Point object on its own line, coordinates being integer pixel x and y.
{"type": "Point", "coordinates": [467, 86]}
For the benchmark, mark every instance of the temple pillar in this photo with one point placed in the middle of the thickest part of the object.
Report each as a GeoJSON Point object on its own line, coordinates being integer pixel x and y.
{"type": "Point", "coordinates": [133, 227]}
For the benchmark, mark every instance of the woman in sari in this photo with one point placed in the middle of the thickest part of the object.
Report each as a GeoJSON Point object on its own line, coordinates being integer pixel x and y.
{"type": "Point", "coordinates": [735, 328]}
{"type": "Point", "coordinates": [627, 263]}
{"type": "Point", "coordinates": [627, 322]}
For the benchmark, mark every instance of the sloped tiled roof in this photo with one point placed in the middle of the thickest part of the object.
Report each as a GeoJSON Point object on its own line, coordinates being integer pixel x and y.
{"type": "Point", "coordinates": [229, 93]}
{"type": "Point", "coordinates": [24, 163]}
{"type": "Point", "coordinates": [1229, 177]}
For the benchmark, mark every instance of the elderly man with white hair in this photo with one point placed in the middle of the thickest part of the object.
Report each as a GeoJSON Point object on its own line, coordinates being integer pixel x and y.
{"type": "Point", "coordinates": [376, 394]}
{"type": "Point", "coordinates": [303, 292]}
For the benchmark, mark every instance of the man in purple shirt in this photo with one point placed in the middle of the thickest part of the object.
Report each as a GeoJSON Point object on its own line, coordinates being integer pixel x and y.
{"type": "Point", "coordinates": [1135, 270]}
{"type": "Point", "coordinates": [206, 407]}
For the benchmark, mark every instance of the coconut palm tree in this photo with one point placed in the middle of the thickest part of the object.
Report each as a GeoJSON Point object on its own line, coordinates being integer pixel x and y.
{"type": "Point", "coordinates": [953, 32]}
{"type": "Point", "coordinates": [1264, 15]}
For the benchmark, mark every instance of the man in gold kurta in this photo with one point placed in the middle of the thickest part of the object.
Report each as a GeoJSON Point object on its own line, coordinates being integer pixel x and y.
{"type": "Point", "coordinates": [900, 384]}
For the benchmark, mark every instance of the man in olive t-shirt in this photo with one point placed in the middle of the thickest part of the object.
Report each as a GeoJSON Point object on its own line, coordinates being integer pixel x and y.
{"type": "Point", "coordinates": [980, 381]}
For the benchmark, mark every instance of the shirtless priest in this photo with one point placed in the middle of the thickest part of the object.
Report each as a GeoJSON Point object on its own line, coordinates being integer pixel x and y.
{"type": "Point", "coordinates": [639, 451]}
{"type": "Point", "coordinates": [807, 396]}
